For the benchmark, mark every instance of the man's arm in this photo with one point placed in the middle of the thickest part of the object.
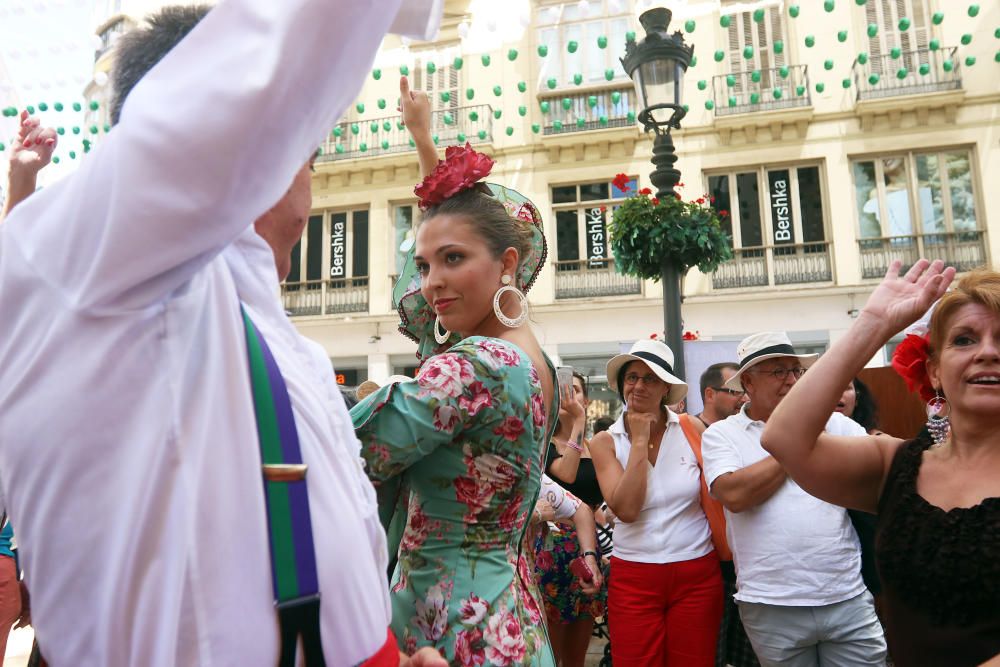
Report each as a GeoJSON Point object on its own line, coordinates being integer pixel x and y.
{"type": "Point", "coordinates": [748, 487]}
{"type": "Point", "coordinates": [208, 141]}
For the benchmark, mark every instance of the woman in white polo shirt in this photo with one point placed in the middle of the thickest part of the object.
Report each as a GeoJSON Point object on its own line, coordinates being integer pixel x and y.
{"type": "Point", "coordinates": [665, 589]}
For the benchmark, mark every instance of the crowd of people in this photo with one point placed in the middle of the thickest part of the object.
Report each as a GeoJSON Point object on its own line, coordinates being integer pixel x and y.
{"type": "Point", "coordinates": [187, 485]}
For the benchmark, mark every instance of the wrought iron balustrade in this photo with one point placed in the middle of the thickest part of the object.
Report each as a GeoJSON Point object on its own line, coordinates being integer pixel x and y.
{"type": "Point", "coordinates": [910, 73]}
{"type": "Point", "coordinates": [761, 90]}
{"type": "Point", "coordinates": [326, 297]}
{"type": "Point", "coordinates": [589, 110]}
{"type": "Point", "coordinates": [592, 277]}
{"type": "Point", "coordinates": [963, 250]}
{"type": "Point", "coordinates": [786, 264]}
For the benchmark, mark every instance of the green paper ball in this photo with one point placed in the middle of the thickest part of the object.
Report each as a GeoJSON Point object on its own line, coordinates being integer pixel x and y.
{"type": "Point", "coordinates": [758, 15]}
{"type": "Point", "coordinates": [360, 107]}
{"type": "Point", "coordinates": [902, 73]}
{"type": "Point", "coordinates": [966, 40]}
{"type": "Point", "coordinates": [338, 131]}
{"type": "Point", "coordinates": [873, 78]}
{"type": "Point", "coordinates": [602, 42]}
{"type": "Point", "coordinates": [473, 116]}
{"type": "Point", "coordinates": [578, 79]}
{"type": "Point", "coordinates": [581, 123]}
{"type": "Point", "coordinates": [689, 25]}
{"type": "Point", "coordinates": [800, 90]}
{"type": "Point", "coordinates": [76, 106]}
{"type": "Point", "coordinates": [694, 61]}
{"type": "Point", "coordinates": [354, 128]}
{"type": "Point", "coordinates": [522, 111]}
{"type": "Point", "coordinates": [509, 131]}
{"type": "Point", "coordinates": [30, 109]}
{"type": "Point", "coordinates": [76, 129]}
{"type": "Point", "coordinates": [107, 127]}
{"type": "Point", "coordinates": [702, 84]}
{"type": "Point", "coordinates": [777, 93]}
{"type": "Point", "coordinates": [557, 125]}
{"type": "Point", "coordinates": [973, 10]}
{"type": "Point", "coordinates": [431, 68]}
{"type": "Point", "coordinates": [719, 55]}
{"type": "Point", "coordinates": [567, 103]}
{"type": "Point", "coordinates": [934, 45]}
{"type": "Point", "coordinates": [552, 83]}
{"type": "Point", "coordinates": [709, 104]}
{"type": "Point", "coordinates": [385, 144]}
{"type": "Point", "coordinates": [363, 147]}
{"type": "Point", "coordinates": [895, 52]}
{"type": "Point", "coordinates": [544, 106]}
{"type": "Point", "coordinates": [457, 63]}
{"type": "Point", "coordinates": [748, 52]}
{"type": "Point", "coordinates": [522, 86]}
{"type": "Point", "coordinates": [754, 98]}
{"type": "Point", "coordinates": [469, 93]}
{"type": "Point", "coordinates": [592, 101]}
{"type": "Point", "coordinates": [94, 106]}
{"type": "Point", "coordinates": [828, 5]}
{"type": "Point", "coordinates": [630, 116]}
{"type": "Point", "coordinates": [461, 137]}
{"type": "Point", "coordinates": [497, 113]}
{"type": "Point", "coordinates": [730, 80]}
{"type": "Point", "coordinates": [615, 96]}
{"type": "Point", "coordinates": [924, 69]}
{"type": "Point", "coordinates": [845, 84]}
{"type": "Point", "coordinates": [9, 112]}
{"type": "Point", "coordinates": [603, 120]}
{"type": "Point", "coordinates": [820, 87]}
{"type": "Point", "coordinates": [862, 57]}
{"type": "Point", "coordinates": [937, 18]}
{"type": "Point", "coordinates": [72, 155]}
{"type": "Point", "coordinates": [2, 146]}
{"type": "Point", "coordinates": [948, 66]}
{"type": "Point", "coordinates": [810, 41]}
{"type": "Point", "coordinates": [512, 54]}
{"type": "Point", "coordinates": [970, 61]}
{"type": "Point", "coordinates": [996, 33]}
{"type": "Point", "coordinates": [498, 91]}
{"type": "Point", "coordinates": [996, 57]}
{"type": "Point", "coordinates": [725, 21]}
{"type": "Point", "coordinates": [404, 70]}
{"type": "Point", "coordinates": [381, 103]}
{"type": "Point", "coordinates": [485, 59]}
{"type": "Point", "coordinates": [55, 160]}
{"type": "Point", "coordinates": [543, 50]}
{"type": "Point", "coordinates": [732, 101]}
{"type": "Point", "coordinates": [860, 3]}
{"type": "Point", "coordinates": [60, 131]}
{"type": "Point", "coordinates": [904, 24]}
{"type": "Point", "coordinates": [793, 11]}
{"type": "Point", "coordinates": [779, 46]}
{"type": "Point", "coordinates": [755, 76]}
{"type": "Point", "coordinates": [42, 106]}
{"type": "Point", "coordinates": [536, 128]}
{"type": "Point", "coordinates": [630, 36]}
{"type": "Point", "coordinates": [436, 139]}
{"type": "Point", "coordinates": [376, 74]}
{"type": "Point", "coordinates": [872, 29]}
{"type": "Point", "coordinates": [572, 46]}
{"type": "Point", "coordinates": [374, 128]}
{"type": "Point", "coordinates": [609, 74]}
{"type": "Point", "coordinates": [842, 36]}
{"type": "Point", "coordinates": [411, 142]}
{"type": "Point", "coordinates": [784, 71]}
{"type": "Point", "coordinates": [387, 126]}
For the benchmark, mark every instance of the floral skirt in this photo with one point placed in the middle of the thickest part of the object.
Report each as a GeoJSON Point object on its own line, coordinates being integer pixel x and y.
{"type": "Point", "coordinates": [564, 601]}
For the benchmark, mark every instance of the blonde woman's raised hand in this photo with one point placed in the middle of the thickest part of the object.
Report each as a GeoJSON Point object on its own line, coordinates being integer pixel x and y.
{"type": "Point", "coordinates": [899, 301]}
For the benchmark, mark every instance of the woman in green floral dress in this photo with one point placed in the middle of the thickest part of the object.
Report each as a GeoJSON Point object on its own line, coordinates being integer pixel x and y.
{"type": "Point", "coordinates": [466, 438]}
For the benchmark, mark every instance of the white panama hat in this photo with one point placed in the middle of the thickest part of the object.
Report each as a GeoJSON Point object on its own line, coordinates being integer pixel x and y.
{"type": "Point", "coordinates": [763, 346]}
{"type": "Point", "coordinates": [659, 358]}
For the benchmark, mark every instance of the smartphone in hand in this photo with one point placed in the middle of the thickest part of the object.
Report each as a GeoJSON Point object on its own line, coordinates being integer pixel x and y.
{"type": "Point", "coordinates": [564, 376]}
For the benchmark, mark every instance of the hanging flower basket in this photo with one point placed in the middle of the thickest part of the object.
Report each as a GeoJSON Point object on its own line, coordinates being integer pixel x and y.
{"type": "Point", "coordinates": [646, 231]}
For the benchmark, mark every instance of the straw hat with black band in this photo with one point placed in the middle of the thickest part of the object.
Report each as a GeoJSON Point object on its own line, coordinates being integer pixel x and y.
{"type": "Point", "coordinates": [763, 346]}
{"type": "Point", "coordinates": [658, 357]}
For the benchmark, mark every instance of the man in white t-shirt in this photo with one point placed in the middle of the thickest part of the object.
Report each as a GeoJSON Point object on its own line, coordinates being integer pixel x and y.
{"type": "Point", "coordinates": [798, 562]}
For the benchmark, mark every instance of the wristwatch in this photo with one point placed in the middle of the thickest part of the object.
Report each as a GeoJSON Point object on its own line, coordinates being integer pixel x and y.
{"type": "Point", "coordinates": [592, 553]}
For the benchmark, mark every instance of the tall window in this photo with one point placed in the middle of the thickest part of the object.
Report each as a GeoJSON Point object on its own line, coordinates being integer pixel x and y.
{"type": "Point", "coordinates": [743, 31]}
{"type": "Point", "coordinates": [443, 88]}
{"type": "Point", "coordinates": [581, 223]}
{"type": "Point", "coordinates": [402, 234]}
{"type": "Point", "coordinates": [560, 23]}
{"type": "Point", "coordinates": [886, 14]}
{"type": "Point", "coordinates": [333, 247]}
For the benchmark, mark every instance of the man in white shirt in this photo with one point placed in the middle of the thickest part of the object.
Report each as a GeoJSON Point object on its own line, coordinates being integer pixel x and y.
{"type": "Point", "coordinates": [798, 562]}
{"type": "Point", "coordinates": [128, 440]}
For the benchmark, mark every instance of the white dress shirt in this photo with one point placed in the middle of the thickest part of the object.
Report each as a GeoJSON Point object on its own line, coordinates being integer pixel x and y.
{"type": "Point", "coordinates": [128, 442]}
{"type": "Point", "coordinates": [793, 549]}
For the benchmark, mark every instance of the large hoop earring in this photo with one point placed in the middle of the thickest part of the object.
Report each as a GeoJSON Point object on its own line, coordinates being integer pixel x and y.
{"type": "Point", "coordinates": [510, 322]}
{"type": "Point", "coordinates": [938, 422]}
{"type": "Point", "coordinates": [441, 335]}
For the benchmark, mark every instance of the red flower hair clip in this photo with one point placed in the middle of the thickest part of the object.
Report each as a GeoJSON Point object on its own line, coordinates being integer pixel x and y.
{"type": "Point", "coordinates": [910, 361]}
{"type": "Point", "coordinates": [460, 170]}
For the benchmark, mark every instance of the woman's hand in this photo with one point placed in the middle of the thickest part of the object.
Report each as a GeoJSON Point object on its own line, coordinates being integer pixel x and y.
{"type": "Point", "coordinates": [899, 301]}
{"type": "Point", "coordinates": [577, 414]}
{"type": "Point", "coordinates": [425, 657]}
{"type": "Point", "coordinates": [544, 512]}
{"type": "Point", "coordinates": [33, 147]}
{"type": "Point", "coordinates": [640, 424]}
{"type": "Point", "coordinates": [416, 109]}
{"type": "Point", "coordinates": [592, 587]}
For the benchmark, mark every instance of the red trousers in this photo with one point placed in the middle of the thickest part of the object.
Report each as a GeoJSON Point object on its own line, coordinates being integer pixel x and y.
{"type": "Point", "coordinates": [664, 613]}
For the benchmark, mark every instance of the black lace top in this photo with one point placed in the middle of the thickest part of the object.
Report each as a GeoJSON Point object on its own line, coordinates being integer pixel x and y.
{"type": "Point", "coordinates": [940, 572]}
{"type": "Point", "coordinates": [585, 487]}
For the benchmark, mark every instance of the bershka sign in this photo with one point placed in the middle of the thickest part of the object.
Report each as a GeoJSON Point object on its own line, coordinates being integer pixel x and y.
{"type": "Point", "coordinates": [597, 238]}
{"type": "Point", "coordinates": [338, 241]}
{"type": "Point", "coordinates": [781, 206]}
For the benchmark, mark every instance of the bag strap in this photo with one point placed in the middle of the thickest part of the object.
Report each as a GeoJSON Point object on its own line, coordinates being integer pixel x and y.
{"type": "Point", "coordinates": [713, 509]}
{"type": "Point", "coordinates": [293, 555]}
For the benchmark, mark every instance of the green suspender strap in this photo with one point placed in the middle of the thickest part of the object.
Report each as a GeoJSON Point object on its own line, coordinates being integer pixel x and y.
{"type": "Point", "coordinates": [293, 556]}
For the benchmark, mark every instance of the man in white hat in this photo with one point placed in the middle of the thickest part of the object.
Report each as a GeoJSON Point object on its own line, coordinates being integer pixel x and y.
{"type": "Point", "coordinates": [798, 561]}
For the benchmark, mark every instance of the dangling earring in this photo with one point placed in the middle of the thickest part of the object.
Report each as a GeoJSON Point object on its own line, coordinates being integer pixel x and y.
{"type": "Point", "coordinates": [938, 423]}
{"type": "Point", "coordinates": [522, 301]}
{"type": "Point", "coordinates": [441, 335]}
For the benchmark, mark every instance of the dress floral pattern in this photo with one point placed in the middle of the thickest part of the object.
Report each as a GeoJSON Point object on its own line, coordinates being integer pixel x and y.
{"type": "Point", "coordinates": [466, 440]}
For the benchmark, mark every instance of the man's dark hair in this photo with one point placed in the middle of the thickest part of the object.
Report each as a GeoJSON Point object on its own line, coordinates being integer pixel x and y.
{"type": "Point", "coordinates": [712, 377]}
{"type": "Point", "coordinates": [138, 50]}
{"type": "Point", "coordinates": [865, 408]}
{"type": "Point", "coordinates": [602, 424]}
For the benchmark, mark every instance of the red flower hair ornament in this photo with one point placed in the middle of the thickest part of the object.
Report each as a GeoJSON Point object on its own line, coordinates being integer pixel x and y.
{"type": "Point", "coordinates": [460, 170]}
{"type": "Point", "coordinates": [910, 361]}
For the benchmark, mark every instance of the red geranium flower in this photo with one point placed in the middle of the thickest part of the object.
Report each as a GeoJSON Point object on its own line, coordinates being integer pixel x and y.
{"type": "Point", "coordinates": [655, 201]}
{"type": "Point", "coordinates": [677, 196]}
{"type": "Point", "coordinates": [621, 182]}
{"type": "Point", "coordinates": [646, 192]}
{"type": "Point", "coordinates": [910, 361]}
{"type": "Point", "coordinates": [461, 169]}
{"type": "Point", "coordinates": [680, 185]}
{"type": "Point", "coordinates": [723, 213]}
{"type": "Point", "coordinates": [700, 200]}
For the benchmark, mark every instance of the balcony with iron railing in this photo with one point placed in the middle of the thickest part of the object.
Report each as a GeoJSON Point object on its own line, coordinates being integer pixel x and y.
{"type": "Point", "coordinates": [913, 72]}
{"type": "Point", "coordinates": [387, 135]}
{"type": "Point", "coordinates": [326, 297]}
{"type": "Point", "coordinates": [576, 279]}
{"type": "Point", "coordinates": [963, 250]}
{"type": "Point", "coordinates": [786, 264]}
{"type": "Point", "coordinates": [109, 34]}
{"type": "Point", "coordinates": [573, 111]}
{"type": "Point", "coordinates": [761, 90]}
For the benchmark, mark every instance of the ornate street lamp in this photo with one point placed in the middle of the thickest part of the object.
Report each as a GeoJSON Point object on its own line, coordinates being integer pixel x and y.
{"type": "Point", "coordinates": [656, 66]}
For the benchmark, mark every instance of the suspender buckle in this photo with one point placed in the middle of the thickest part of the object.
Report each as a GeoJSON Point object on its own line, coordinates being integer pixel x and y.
{"type": "Point", "coordinates": [284, 472]}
